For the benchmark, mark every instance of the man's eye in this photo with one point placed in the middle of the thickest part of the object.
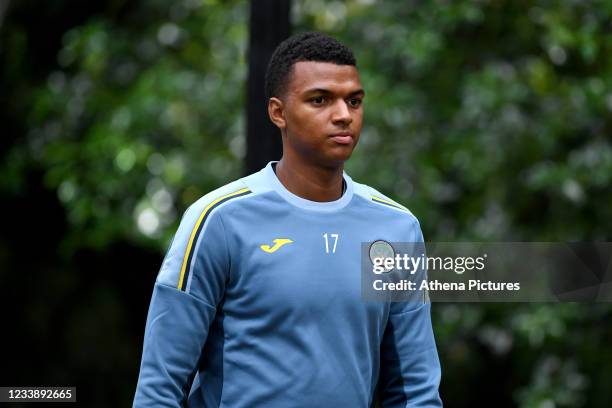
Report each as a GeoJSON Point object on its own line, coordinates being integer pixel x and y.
{"type": "Point", "coordinates": [355, 102]}
{"type": "Point", "coordinates": [318, 100]}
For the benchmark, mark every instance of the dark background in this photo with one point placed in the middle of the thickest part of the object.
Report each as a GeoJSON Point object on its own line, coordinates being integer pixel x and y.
{"type": "Point", "coordinates": [490, 120]}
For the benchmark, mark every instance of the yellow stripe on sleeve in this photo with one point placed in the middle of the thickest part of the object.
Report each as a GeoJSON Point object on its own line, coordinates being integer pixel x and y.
{"type": "Point", "coordinates": [195, 229]}
{"type": "Point", "coordinates": [391, 203]}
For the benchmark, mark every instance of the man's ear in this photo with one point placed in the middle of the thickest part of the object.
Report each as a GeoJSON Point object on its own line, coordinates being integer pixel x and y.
{"type": "Point", "coordinates": [276, 111]}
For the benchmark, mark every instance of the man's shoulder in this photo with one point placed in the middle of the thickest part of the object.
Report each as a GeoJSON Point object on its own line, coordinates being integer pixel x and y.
{"type": "Point", "coordinates": [380, 201]}
{"type": "Point", "coordinates": [233, 192]}
{"type": "Point", "coordinates": [235, 189]}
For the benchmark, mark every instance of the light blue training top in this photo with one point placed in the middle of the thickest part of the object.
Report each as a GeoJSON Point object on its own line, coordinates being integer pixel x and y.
{"type": "Point", "coordinates": [258, 304]}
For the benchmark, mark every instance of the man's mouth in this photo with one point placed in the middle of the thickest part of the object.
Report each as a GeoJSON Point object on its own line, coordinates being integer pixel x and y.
{"type": "Point", "coordinates": [343, 138]}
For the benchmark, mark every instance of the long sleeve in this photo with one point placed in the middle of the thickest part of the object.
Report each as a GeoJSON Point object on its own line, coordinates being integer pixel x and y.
{"type": "Point", "coordinates": [188, 288]}
{"type": "Point", "coordinates": [410, 367]}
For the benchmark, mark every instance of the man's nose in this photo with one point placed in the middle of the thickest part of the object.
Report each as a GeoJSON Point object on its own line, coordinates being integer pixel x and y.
{"type": "Point", "coordinates": [341, 113]}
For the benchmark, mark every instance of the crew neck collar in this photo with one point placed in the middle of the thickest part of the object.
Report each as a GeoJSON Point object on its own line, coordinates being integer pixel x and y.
{"type": "Point", "coordinates": [304, 203]}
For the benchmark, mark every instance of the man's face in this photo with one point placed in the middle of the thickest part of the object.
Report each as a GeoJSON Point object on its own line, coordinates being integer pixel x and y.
{"type": "Point", "coordinates": [322, 111]}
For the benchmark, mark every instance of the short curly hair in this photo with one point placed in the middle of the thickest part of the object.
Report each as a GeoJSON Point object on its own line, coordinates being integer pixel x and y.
{"type": "Point", "coordinates": [308, 46]}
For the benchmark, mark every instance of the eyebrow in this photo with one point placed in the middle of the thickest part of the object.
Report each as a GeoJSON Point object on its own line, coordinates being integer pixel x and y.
{"type": "Point", "coordinates": [360, 92]}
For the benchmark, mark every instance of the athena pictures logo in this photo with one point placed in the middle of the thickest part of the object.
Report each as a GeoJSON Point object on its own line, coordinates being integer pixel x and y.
{"type": "Point", "coordinates": [486, 271]}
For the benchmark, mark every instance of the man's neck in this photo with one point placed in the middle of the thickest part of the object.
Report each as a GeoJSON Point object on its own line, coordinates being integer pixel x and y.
{"type": "Point", "coordinates": [310, 181]}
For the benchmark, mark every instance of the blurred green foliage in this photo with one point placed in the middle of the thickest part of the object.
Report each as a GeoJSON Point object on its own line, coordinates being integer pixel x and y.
{"type": "Point", "coordinates": [491, 120]}
{"type": "Point", "coordinates": [140, 120]}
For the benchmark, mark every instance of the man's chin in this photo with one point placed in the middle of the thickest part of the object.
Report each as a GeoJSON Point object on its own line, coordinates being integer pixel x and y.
{"type": "Point", "coordinates": [337, 158]}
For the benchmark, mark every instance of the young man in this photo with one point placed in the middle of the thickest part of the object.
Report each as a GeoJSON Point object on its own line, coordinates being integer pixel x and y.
{"type": "Point", "coordinates": [259, 296]}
